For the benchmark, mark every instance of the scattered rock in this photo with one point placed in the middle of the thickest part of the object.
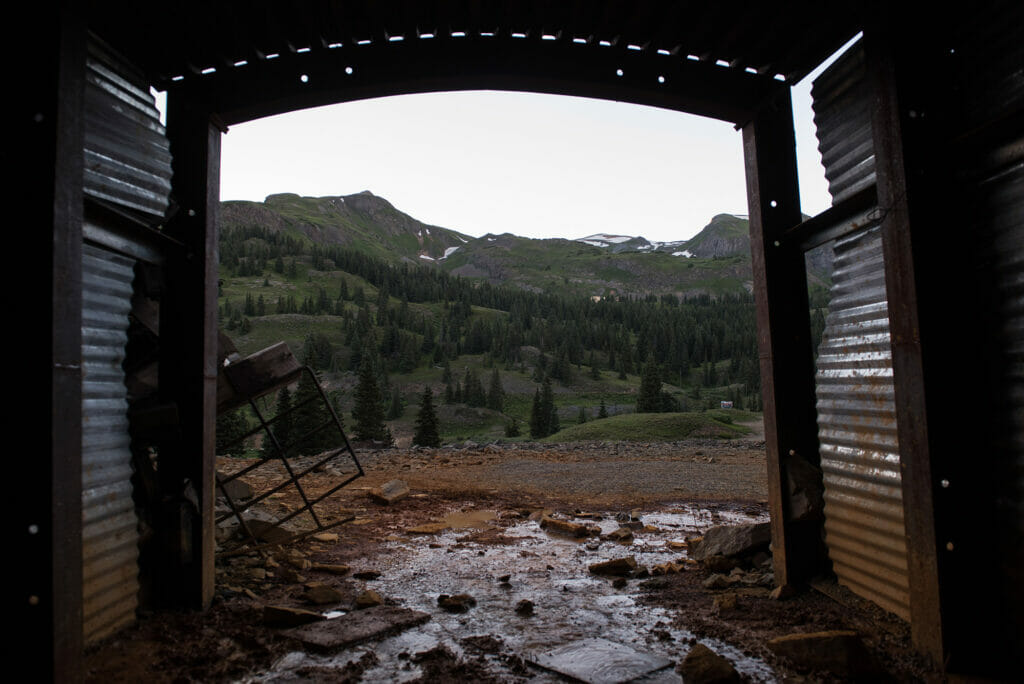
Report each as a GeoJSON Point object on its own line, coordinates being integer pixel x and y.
{"type": "Point", "coordinates": [428, 528]}
{"type": "Point", "coordinates": [571, 529]}
{"type": "Point", "coordinates": [720, 563]}
{"type": "Point", "coordinates": [668, 568]}
{"type": "Point", "coordinates": [459, 603]}
{"type": "Point", "coordinates": [719, 581]}
{"type": "Point", "coordinates": [782, 592]}
{"type": "Point", "coordinates": [290, 575]}
{"type": "Point", "coordinates": [326, 537]}
{"type": "Point", "coordinates": [726, 604]}
{"type": "Point", "coordinates": [732, 540]}
{"type": "Point", "coordinates": [366, 575]}
{"type": "Point", "coordinates": [540, 514]}
{"type": "Point", "coordinates": [524, 608]}
{"type": "Point", "coordinates": [285, 616]}
{"type": "Point", "coordinates": [331, 568]}
{"type": "Point", "coordinates": [300, 563]}
{"type": "Point", "coordinates": [704, 666]}
{"type": "Point", "coordinates": [619, 582]}
{"type": "Point", "coordinates": [257, 573]}
{"type": "Point", "coordinates": [319, 593]}
{"type": "Point", "coordinates": [619, 567]}
{"type": "Point", "coordinates": [623, 535]}
{"type": "Point", "coordinates": [389, 492]}
{"type": "Point", "coordinates": [368, 599]}
{"type": "Point", "coordinates": [840, 652]}
{"type": "Point", "coordinates": [806, 500]}
{"type": "Point", "coordinates": [238, 490]}
{"type": "Point", "coordinates": [504, 579]}
{"type": "Point", "coordinates": [677, 545]}
{"type": "Point", "coordinates": [268, 532]}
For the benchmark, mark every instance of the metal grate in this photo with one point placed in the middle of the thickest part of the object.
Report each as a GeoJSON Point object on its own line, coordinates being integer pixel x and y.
{"type": "Point", "coordinates": [282, 453]}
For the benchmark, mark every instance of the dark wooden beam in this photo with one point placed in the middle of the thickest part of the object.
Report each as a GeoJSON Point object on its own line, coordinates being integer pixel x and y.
{"type": "Point", "coordinates": [188, 352]}
{"type": "Point", "coordinates": [289, 82]}
{"type": "Point", "coordinates": [912, 236]}
{"type": "Point", "coordinates": [783, 330]}
{"type": "Point", "coordinates": [48, 184]}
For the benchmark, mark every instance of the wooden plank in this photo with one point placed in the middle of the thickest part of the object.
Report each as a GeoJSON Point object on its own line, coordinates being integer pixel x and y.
{"type": "Point", "coordinates": [906, 231]}
{"type": "Point", "coordinates": [256, 375]}
{"type": "Point", "coordinates": [783, 326]}
{"type": "Point", "coordinates": [188, 375]}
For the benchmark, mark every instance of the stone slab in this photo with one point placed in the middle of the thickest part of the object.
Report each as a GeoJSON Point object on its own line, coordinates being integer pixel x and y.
{"type": "Point", "coordinates": [599, 661]}
{"type": "Point", "coordinates": [333, 635]}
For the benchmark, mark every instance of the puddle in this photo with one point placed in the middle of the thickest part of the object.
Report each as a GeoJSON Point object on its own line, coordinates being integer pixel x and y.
{"type": "Point", "coordinates": [570, 604]}
{"type": "Point", "coordinates": [460, 520]}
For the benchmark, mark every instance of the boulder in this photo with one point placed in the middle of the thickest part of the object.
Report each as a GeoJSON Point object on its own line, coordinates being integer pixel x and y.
{"type": "Point", "coordinates": [389, 492]}
{"type": "Point", "coordinates": [732, 540]}
{"type": "Point", "coordinates": [617, 567]}
{"type": "Point", "coordinates": [459, 603]}
{"type": "Point", "coordinates": [238, 490]}
{"type": "Point", "coordinates": [524, 608]}
{"type": "Point", "coordinates": [704, 666]}
{"type": "Point", "coordinates": [568, 528]}
{"type": "Point", "coordinates": [368, 599]}
{"type": "Point", "coordinates": [840, 652]}
{"type": "Point", "coordinates": [623, 535]}
{"type": "Point", "coordinates": [806, 491]}
{"type": "Point", "coordinates": [319, 593]}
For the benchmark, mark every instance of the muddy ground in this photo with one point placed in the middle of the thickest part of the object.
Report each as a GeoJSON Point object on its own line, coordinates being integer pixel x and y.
{"type": "Point", "coordinates": [485, 503]}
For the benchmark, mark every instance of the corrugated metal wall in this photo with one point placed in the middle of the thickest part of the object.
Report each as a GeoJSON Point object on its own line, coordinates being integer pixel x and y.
{"type": "Point", "coordinates": [843, 123]}
{"type": "Point", "coordinates": [127, 163]}
{"type": "Point", "coordinates": [859, 449]}
{"type": "Point", "coordinates": [109, 523]}
{"type": "Point", "coordinates": [127, 155]}
{"type": "Point", "coordinates": [860, 459]}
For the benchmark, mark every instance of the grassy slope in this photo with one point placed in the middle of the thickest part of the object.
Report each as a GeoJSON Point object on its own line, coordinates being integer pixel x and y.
{"type": "Point", "coordinates": [649, 427]}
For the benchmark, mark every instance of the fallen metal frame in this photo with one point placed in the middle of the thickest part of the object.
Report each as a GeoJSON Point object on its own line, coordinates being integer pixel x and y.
{"type": "Point", "coordinates": [294, 478]}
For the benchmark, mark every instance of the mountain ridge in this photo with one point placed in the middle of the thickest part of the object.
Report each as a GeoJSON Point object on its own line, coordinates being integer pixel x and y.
{"type": "Point", "coordinates": [715, 261]}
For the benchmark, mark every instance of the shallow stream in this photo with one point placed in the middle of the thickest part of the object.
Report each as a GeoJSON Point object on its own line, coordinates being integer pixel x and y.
{"type": "Point", "coordinates": [570, 604]}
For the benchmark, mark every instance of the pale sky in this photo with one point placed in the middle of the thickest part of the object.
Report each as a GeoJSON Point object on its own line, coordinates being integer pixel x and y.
{"type": "Point", "coordinates": [533, 165]}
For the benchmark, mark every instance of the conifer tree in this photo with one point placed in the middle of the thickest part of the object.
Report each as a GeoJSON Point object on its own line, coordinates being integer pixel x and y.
{"type": "Point", "coordinates": [395, 408]}
{"type": "Point", "coordinates": [581, 418]}
{"type": "Point", "coordinates": [648, 399]}
{"type": "Point", "coordinates": [230, 427]}
{"type": "Point", "coordinates": [543, 413]}
{"type": "Point", "coordinates": [310, 417]}
{"type": "Point", "coordinates": [426, 422]}
{"type": "Point", "coordinates": [367, 411]}
{"type": "Point", "coordinates": [603, 411]}
{"type": "Point", "coordinates": [496, 394]}
{"type": "Point", "coordinates": [538, 421]}
{"type": "Point", "coordinates": [282, 425]}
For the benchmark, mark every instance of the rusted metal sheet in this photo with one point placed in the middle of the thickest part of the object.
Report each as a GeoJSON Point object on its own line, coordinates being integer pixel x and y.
{"type": "Point", "coordinates": [842, 118]}
{"type": "Point", "coordinates": [860, 457]}
{"type": "Point", "coordinates": [127, 156]}
{"type": "Point", "coordinates": [109, 523]}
